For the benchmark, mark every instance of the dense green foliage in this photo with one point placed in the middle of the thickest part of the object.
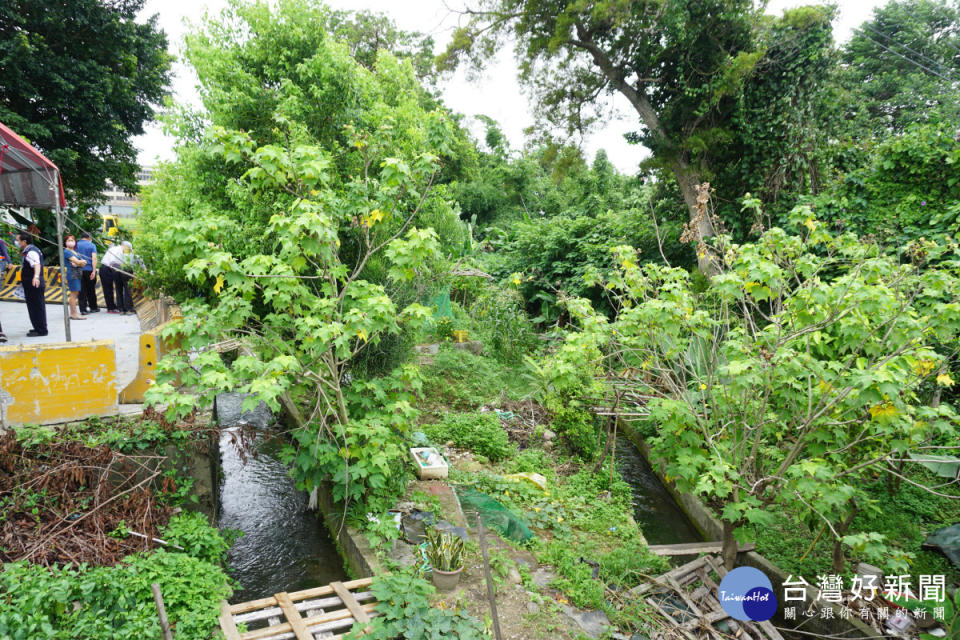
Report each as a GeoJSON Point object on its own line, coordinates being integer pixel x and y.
{"type": "Point", "coordinates": [115, 603]}
{"type": "Point", "coordinates": [898, 67]}
{"type": "Point", "coordinates": [478, 432]}
{"type": "Point", "coordinates": [334, 167]}
{"type": "Point", "coordinates": [906, 188]}
{"type": "Point", "coordinates": [721, 93]}
{"type": "Point", "coordinates": [806, 367]}
{"type": "Point", "coordinates": [79, 80]}
{"type": "Point", "coordinates": [405, 613]}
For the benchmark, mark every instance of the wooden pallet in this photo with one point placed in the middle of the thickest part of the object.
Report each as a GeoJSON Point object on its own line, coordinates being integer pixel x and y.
{"type": "Point", "coordinates": [330, 612]}
{"type": "Point", "coordinates": [686, 598]}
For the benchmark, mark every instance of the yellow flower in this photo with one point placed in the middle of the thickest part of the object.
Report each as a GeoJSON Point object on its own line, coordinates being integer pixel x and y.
{"type": "Point", "coordinates": [506, 493]}
{"type": "Point", "coordinates": [923, 367]}
{"type": "Point", "coordinates": [372, 218]}
{"type": "Point", "coordinates": [517, 279]}
{"type": "Point", "coordinates": [885, 410]}
{"type": "Point", "coordinates": [559, 518]}
{"type": "Point", "coordinates": [810, 223]}
{"type": "Point", "coordinates": [703, 387]}
{"type": "Point", "coordinates": [536, 509]}
{"type": "Point", "coordinates": [944, 380]}
{"type": "Point", "coordinates": [218, 285]}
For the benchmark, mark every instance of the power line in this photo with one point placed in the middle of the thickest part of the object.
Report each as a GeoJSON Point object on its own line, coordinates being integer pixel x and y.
{"type": "Point", "coordinates": [910, 60]}
{"type": "Point", "coordinates": [939, 63]}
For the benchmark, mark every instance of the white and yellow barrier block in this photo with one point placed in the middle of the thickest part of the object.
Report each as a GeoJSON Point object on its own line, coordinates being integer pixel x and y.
{"type": "Point", "coordinates": [57, 382]}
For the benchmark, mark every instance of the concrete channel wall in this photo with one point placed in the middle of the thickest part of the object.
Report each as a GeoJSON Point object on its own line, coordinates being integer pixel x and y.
{"type": "Point", "coordinates": [711, 527]}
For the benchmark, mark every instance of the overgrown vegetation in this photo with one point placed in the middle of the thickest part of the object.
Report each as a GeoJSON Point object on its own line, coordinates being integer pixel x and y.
{"type": "Point", "coordinates": [478, 432]}
{"type": "Point", "coordinates": [69, 500]}
{"type": "Point", "coordinates": [788, 332]}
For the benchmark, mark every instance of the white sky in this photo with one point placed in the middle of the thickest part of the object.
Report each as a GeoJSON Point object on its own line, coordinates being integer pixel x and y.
{"type": "Point", "coordinates": [496, 94]}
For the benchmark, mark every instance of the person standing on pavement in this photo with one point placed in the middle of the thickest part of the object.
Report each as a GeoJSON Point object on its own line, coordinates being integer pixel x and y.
{"type": "Point", "coordinates": [88, 283]}
{"type": "Point", "coordinates": [124, 276]}
{"type": "Point", "coordinates": [31, 276]}
{"type": "Point", "coordinates": [110, 278]}
{"type": "Point", "coordinates": [75, 266]}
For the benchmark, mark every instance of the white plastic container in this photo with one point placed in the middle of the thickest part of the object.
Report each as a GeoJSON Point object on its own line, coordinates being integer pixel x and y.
{"type": "Point", "coordinates": [430, 464]}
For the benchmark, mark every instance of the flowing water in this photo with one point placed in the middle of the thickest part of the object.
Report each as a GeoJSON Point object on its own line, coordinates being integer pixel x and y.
{"type": "Point", "coordinates": [660, 518]}
{"type": "Point", "coordinates": [285, 547]}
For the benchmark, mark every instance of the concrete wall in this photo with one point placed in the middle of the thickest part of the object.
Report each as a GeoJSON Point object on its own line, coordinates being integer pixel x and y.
{"type": "Point", "coordinates": [57, 382]}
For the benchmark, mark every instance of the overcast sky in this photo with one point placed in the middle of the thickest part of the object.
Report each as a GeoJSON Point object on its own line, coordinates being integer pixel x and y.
{"type": "Point", "coordinates": [496, 94]}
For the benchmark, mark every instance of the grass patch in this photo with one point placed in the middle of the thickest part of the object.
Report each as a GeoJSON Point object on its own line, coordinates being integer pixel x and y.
{"type": "Point", "coordinates": [478, 432]}
{"type": "Point", "coordinates": [462, 381]}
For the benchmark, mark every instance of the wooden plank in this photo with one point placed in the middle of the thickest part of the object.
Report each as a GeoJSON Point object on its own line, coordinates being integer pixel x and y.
{"type": "Point", "coordinates": [350, 602]}
{"type": "Point", "coordinates": [319, 604]}
{"type": "Point", "coordinates": [227, 624]}
{"type": "Point", "coordinates": [690, 548]}
{"type": "Point", "coordinates": [293, 616]}
{"type": "Point", "coordinates": [314, 592]}
{"type": "Point", "coordinates": [243, 607]}
{"type": "Point", "coordinates": [326, 590]}
{"type": "Point", "coordinates": [677, 572]}
{"type": "Point", "coordinates": [271, 632]}
{"type": "Point", "coordinates": [770, 630]}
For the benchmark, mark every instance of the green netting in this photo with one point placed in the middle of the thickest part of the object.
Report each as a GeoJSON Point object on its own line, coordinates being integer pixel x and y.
{"type": "Point", "coordinates": [495, 515]}
{"type": "Point", "coordinates": [948, 540]}
{"type": "Point", "coordinates": [442, 302]}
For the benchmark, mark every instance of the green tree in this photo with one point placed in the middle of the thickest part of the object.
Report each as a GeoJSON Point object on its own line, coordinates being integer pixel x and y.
{"type": "Point", "coordinates": [681, 65]}
{"type": "Point", "coordinates": [299, 218]}
{"type": "Point", "coordinates": [804, 369]}
{"type": "Point", "coordinates": [79, 79]}
{"type": "Point", "coordinates": [901, 67]}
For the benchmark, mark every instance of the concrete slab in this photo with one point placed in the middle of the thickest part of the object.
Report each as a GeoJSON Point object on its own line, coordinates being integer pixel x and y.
{"type": "Point", "coordinates": [123, 330]}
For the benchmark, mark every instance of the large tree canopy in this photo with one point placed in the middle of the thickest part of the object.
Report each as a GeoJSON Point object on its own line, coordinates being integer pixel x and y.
{"type": "Point", "coordinates": [901, 67]}
{"type": "Point", "coordinates": [79, 79]}
{"type": "Point", "coordinates": [683, 66]}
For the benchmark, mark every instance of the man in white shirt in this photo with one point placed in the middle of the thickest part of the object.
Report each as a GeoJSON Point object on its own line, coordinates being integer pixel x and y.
{"type": "Point", "coordinates": [115, 276]}
{"type": "Point", "coordinates": [31, 276]}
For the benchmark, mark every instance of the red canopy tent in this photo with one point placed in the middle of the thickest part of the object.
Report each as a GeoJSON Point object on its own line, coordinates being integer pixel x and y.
{"type": "Point", "coordinates": [29, 179]}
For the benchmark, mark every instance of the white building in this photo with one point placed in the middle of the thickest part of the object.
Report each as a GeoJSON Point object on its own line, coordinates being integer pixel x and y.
{"type": "Point", "coordinates": [124, 204]}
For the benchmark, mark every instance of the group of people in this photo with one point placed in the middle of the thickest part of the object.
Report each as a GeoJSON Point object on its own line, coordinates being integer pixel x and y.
{"type": "Point", "coordinates": [81, 261]}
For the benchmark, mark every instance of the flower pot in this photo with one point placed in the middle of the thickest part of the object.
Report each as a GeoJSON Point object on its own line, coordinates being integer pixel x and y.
{"type": "Point", "coordinates": [446, 580]}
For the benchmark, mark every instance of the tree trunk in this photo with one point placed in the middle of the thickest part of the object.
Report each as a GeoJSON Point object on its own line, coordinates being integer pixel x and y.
{"type": "Point", "coordinates": [729, 552]}
{"type": "Point", "coordinates": [687, 177]}
{"type": "Point", "coordinates": [839, 561]}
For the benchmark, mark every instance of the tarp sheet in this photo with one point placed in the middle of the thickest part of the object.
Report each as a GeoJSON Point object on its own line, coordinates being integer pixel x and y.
{"type": "Point", "coordinates": [27, 178]}
{"type": "Point", "coordinates": [948, 541]}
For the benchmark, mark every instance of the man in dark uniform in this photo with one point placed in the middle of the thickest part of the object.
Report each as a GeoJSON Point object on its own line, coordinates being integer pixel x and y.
{"type": "Point", "coordinates": [31, 275]}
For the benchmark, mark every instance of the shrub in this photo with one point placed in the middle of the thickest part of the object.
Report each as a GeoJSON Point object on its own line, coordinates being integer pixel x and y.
{"type": "Point", "coordinates": [405, 612]}
{"type": "Point", "coordinates": [479, 432]}
{"type": "Point", "coordinates": [577, 430]}
{"type": "Point", "coordinates": [39, 602]}
{"type": "Point", "coordinates": [191, 531]}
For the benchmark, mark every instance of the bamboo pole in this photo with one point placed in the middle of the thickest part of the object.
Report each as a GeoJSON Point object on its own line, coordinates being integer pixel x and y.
{"type": "Point", "coordinates": [161, 611]}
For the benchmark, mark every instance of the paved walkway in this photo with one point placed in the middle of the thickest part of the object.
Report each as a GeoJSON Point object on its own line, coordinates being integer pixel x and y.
{"type": "Point", "coordinates": [123, 330]}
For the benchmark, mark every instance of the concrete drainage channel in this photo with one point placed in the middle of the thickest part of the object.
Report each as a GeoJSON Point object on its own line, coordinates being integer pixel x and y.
{"type": "Point", "coordinates": [285, 546]}
{"type": "Point", "coordinates": [711, 528]}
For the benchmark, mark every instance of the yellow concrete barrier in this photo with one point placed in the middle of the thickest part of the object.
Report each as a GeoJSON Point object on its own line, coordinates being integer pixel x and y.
{"type": "Point", "coordinates": [57, 382]}
{"type": "Point", "coordinates": [152, 348]}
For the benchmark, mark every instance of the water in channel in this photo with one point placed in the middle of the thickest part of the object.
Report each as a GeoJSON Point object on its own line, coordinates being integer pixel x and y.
{"type": "Point", "coordinates": [285, 547]}
{"type": "Point", "coordinates": [660, 518]}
